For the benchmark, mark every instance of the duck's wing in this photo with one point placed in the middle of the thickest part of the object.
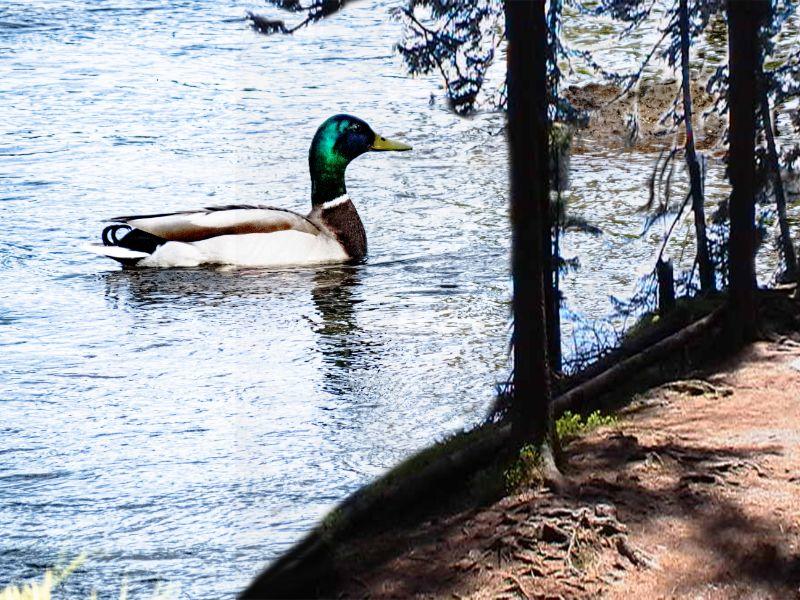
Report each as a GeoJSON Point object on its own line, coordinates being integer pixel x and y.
{"type": "Point", "coordinates": [214, 221]}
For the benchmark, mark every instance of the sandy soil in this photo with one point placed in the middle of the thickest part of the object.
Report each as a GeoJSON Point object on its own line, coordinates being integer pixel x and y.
{"type": "Point", "coordinates": [694, 494]}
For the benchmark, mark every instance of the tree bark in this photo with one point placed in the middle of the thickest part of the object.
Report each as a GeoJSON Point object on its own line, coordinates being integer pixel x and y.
{"type": "Point", "coordinates": [707, 283]}
{"type": "Point", "coordinates": [744, 20]}
{"type": "Point", "coordinates": [532, 416]}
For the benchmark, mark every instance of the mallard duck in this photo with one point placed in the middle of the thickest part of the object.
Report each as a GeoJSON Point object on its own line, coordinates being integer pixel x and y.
{"type": "Point", "coordinates": [245, 235]}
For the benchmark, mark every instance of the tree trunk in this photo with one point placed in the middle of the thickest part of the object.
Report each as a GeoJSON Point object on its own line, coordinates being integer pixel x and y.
{"type": "Point", "coordinates": [666, 287]}
{"type": "Point", "coordinates": [532, 416]}
{"type": "Point", "coordinates": [553, 315]}
{"type": "Point", "coordinates": [552, 310]}
{"type": "Point", "coordinates": [744, 19]}
{"type": "Point", "coordinates": [707, 283]}
{"type": "Point", "coordinates": [551, 226]}
{"type": "Point", "coordinates": [787, 248]}
{"type": "Point", "coordinates": [553, 298]}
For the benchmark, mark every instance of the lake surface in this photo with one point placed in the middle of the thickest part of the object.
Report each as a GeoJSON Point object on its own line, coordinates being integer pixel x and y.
{"type": "Point", "coordinates": [184, 426]}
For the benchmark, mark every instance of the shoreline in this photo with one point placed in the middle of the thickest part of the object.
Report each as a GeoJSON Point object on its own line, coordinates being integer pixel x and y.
{"type": "Point", "coordinates": [395, 548]}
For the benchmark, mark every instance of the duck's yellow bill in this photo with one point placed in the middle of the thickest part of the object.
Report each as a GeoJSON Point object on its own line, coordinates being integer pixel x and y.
{"type": "Point", "coordinates": [381, 143]}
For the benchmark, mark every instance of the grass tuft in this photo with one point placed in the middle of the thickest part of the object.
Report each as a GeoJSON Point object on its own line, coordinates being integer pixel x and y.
{"type": "Point", "coordinates": [571, 425]}
{"type": "Point", "coordinates": [42, 590]}
{"type": "Point", "coordinates": [52, 578]}
{"type": "Point", "coordinates": [524, 472]}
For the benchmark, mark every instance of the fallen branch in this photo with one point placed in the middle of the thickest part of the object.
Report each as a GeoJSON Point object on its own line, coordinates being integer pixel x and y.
{"type": "Point", "coordinates": [580, 396]}
{"type": "Point", "coordinates": [630, 348]}
{"type": "Point", "coordinates": [636, 556]}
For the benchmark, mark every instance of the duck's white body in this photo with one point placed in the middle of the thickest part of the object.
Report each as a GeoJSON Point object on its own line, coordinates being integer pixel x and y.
{"type": "Point", "coordinates": [244, 236]}
{"type": "Point", "coordinates": [281, 248]}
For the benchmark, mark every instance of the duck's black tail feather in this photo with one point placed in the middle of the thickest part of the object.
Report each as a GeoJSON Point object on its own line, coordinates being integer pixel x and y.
{"type": "Point", "coordinates": [135, 239]}
{"type": "Point", "coordinates": [130, 248]}
{"type": "Point", "coordinates": [109, 235]}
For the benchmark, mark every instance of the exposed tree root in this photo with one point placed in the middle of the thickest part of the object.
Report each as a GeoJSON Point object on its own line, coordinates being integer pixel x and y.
{"type": "Point", "coordinates": [553, 543]}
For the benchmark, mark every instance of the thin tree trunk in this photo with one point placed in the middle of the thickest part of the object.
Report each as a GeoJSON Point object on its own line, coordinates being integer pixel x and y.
{"type": "Point", "coordinates": [707, 283]}
{"type": "Point", "coordinates": [554, 314]}
{"type": "Point", "coordinates": [550, 282]}
{"type": "Point", "coordinates": [532, 416]}
{"type": "Point", "coordinates": [553, 298]}
{"type": "Point", "coordinates": [787, 248]}
{"type": "Point", "coordinates": [552, 226]}
{"type": "Point", "coordinates": [744, 18]}
{"type": "Point", "coordinates": [666, 287]}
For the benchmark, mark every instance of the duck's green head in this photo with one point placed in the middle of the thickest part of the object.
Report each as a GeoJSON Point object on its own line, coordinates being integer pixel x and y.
{"type": "Point", "coordinates": [338, 141]}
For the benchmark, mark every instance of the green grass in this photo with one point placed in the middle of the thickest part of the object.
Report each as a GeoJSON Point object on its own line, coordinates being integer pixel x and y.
{"type": "Point", "coordinates": [571, 426]}
{"type": "Point", "coordinates": [489, 482]}
{"type": "Point", "coordinates": [523, 472]}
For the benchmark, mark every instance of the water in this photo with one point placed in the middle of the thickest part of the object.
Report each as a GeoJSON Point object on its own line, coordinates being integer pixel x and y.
{"type": "Point", "coordinates": [185, 426]}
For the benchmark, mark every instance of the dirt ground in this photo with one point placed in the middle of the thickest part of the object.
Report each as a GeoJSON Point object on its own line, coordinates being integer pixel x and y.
{"type": "Point", "coordinates": [695, 493]}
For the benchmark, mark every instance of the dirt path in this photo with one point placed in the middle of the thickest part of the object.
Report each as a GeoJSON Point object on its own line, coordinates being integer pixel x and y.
{"type": "Point", "coordinates": [695, 493]}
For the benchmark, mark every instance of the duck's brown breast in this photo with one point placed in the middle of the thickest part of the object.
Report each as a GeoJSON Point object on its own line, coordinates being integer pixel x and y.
{"type": "Point", "coordinates": [345, 225]}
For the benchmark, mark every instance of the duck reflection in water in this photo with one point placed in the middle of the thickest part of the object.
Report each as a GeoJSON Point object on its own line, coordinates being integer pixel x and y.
{"type": "Point", "coordinates": [272, 306]}
{"type": "Point", "coordinates": [202, 287]}
{"type": "Point", "coordinates": [346, 350]}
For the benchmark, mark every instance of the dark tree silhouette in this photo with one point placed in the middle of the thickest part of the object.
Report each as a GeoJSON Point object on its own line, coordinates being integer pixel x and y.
{"type": "Point", "coordinates": [686, 20]}
{"type": "Point", "coordinates": [315, 11]}
{"type": "Point", "coordinates": [744, 21]}
{"type": "Point", "coordinates": [774, 168]}
{"type": "Point", "coordinates": [458, 40]}
{"type": "Point", "coordinates": [780, 83]}
{"type": "Point", "coordinates": [705, 265]}
{"type": "Point", "coordinates": [532, 416]}
{"type": "Point", "coordinates": [772, 83]}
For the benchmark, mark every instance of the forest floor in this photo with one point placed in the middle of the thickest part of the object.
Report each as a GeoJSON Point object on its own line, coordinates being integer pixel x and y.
{"type": "Point", "coordinates": [694, 492]}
